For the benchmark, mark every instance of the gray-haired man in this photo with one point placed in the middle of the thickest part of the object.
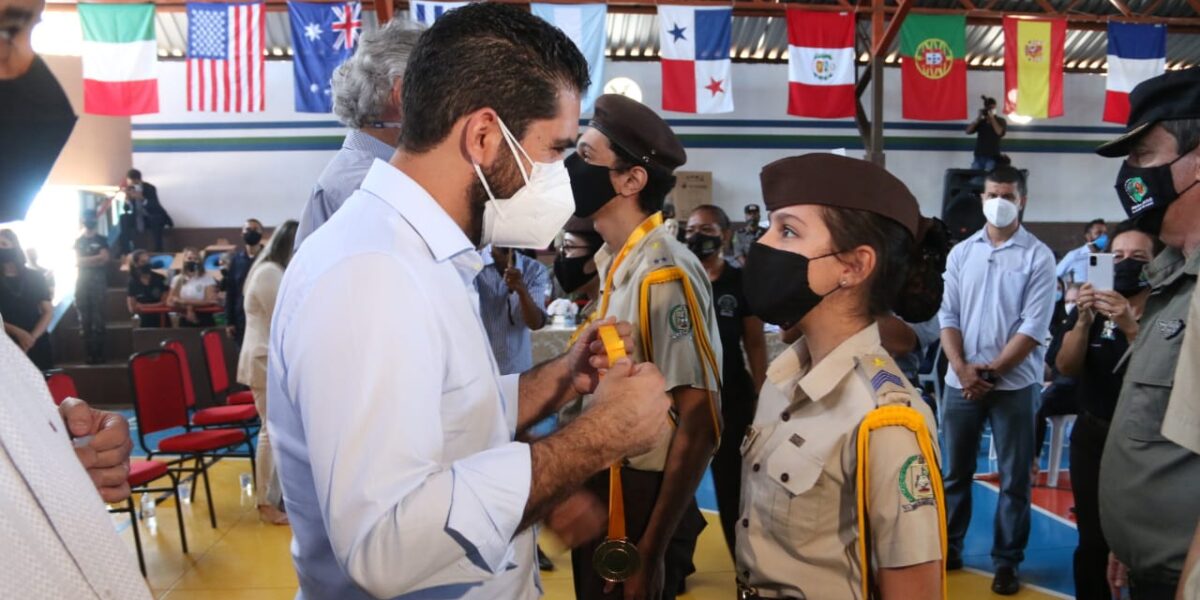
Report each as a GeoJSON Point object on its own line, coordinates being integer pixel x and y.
{"type": "Point", "coordinates": [366, 98]}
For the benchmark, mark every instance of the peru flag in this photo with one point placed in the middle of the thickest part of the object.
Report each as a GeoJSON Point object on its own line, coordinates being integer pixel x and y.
{"type": "Point", "coordinates": [694, 46]}
{"type": "Point", "coordinates": [1136, 52]}
{"type": "Point", "coordinates": [821, 64]}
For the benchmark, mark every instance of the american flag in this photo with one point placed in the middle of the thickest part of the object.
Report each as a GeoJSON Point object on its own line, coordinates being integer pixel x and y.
{"type": "Point", "coordinates": [225, 57]}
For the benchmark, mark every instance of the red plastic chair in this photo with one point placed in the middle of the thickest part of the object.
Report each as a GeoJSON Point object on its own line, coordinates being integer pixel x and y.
{"type": "Point", "coordinates": [213, 340]}
{"type": "Point", "coordinates": [239, 415]}
{"type": "Point", "coordinates": [142, 472]}
{"type": "Point", "coordinates": [62, 386]}
{"type": "Point", "coordinates": [160, 403]}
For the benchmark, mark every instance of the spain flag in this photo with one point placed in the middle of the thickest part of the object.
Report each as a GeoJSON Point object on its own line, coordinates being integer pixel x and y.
{"type": "Point", "coordinates": [1033, 66]}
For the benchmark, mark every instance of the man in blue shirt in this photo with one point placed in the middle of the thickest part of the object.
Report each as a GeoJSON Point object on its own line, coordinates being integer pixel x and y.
{"type": "Point", "coordinates": [1073, 267]}
{"type": "Point", "coordinates": [512, 303]}
{"type": "Point", "coordinates": [995, 320]}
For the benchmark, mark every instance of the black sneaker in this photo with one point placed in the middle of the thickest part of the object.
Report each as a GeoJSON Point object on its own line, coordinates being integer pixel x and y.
{"type": "Point", "coordinates": [954, 564]}
{"type": "Point", "coordinates": [1006, 582]}
{"type": "Point", "coordinates": [544, 562]}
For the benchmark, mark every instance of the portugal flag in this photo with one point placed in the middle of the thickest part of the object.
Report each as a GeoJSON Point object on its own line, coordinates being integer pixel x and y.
{"type": "Point", "coordinates": [1033, 66]}
{"type": "Point", "coordinates": [933, 50]}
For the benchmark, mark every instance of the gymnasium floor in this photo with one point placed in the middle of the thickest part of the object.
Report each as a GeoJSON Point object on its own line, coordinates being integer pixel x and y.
{"type": "Point", "coordinates": [246, 559]}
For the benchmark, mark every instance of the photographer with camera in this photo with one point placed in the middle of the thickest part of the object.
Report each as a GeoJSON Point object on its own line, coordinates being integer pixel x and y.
{"type": "Point", "coordinates": [990, 128]}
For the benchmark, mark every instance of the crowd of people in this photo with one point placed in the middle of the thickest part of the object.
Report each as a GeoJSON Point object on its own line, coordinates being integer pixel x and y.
{"type": "Point", "coordinates": [405, 449]}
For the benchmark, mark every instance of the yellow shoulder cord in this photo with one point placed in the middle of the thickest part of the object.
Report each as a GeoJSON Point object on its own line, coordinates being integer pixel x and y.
{"type": "Point", "coordinates": [640, 232]}
{"type": "Point", "coordinates": [895, 416]}
{"type": "Point", "coordinates": [699, 329]}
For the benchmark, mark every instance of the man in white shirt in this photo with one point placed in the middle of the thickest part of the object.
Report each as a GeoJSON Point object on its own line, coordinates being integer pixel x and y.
{"type": "Point", "coordinates": [393, 431]}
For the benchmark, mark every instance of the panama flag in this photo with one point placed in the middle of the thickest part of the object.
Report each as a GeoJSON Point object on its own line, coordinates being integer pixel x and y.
{"type": "Point", "coordinates": [821, 64]}
{"type": "Point", "coordinates": [426, 13]}
{"type": "Point", "coordinates": [584, 24]}
{"type": "Point", "coordinates": [1136, 52]}
{"type": "Point", "coordinates": [1033, 66]}
{"type": "Point", "coordinates": [933, 50]}
{"type": "Point", "coordinates": [120, 59]}
{"type": "Point", "coordinates": [694, 47]}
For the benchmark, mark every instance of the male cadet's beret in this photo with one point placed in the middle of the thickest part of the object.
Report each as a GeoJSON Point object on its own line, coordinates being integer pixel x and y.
{"type": "Point", "coordinates": [639, 131]}
{"type": "Point", "coordinates": [841, 182]}
{"type": "Point", "coordinates": [1170, 96]}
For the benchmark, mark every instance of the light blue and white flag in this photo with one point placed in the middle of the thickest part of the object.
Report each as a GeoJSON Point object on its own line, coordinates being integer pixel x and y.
{"type": "Point", "coordinates": [428, 12]}
{"type": "Point", "coordinates": [585, 25]}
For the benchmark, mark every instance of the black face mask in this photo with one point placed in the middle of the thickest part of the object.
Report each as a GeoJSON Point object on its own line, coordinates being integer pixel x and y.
{"type": "Point", "coordinates": [776, 285]}
{"type": "Point", "coordinates": [570, 272]}
{"type": "Point", "coordinates": [191, 266]}
{"type": "Point", "coordinates": [1146, 192]}
{"type": "Point", "coordinates": [252, 237]}
{"type": "Point", "coordinates": [704, 246]}
{"type": "Point", "coordinates": [590, 184]}
{"type": "Point", "coordinates": [1127, 277]}
{"type": "Point", "coordinates": [10, 255]}
{"type": "Point", "coordinates": [34, 110]}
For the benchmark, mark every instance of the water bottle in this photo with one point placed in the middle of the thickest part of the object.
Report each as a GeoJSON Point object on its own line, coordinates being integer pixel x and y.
{"type": "Point", "coordinates": [148, 512]}
{"type": "Point", "coordinates": [185, 492]}
{"type": "Point", "coordinates": [247, 483]}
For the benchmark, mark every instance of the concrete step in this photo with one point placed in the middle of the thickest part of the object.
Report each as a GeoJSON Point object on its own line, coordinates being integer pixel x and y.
{"type": "Point", "coordinates": [69, 346]}
{"type": "Point", "coordinates": [114, 303]}
{"type": "Point", "coordinates": [105, 385]}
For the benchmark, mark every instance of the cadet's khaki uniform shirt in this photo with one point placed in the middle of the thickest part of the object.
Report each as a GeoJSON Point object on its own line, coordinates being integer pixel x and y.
{"type": "Point", "coordinates": [1148, 483]}
{"type": "Point", "coordinates": [798, 535]}
{"type": "Point", "coordinates": [671, 325]}
{"type": "Point", "coordinates": [1182, 423]}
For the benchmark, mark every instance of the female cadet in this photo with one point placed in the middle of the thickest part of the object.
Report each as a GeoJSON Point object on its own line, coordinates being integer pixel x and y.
{"type": "Point", "coordinates": [840, 500]}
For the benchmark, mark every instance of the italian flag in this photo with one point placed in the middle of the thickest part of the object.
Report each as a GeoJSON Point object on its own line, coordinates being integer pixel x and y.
{"type": "Point", "coordinates": [1033, 66]}
{"type": "Point", "coordinates": [120, 59]}
{"type": "Point", "coordinates": [933, 51]}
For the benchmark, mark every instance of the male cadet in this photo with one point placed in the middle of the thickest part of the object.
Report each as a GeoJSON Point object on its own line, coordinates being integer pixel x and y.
{"type": "Point", "coordinates": [620, 177]}
{"type": "Point", "coordinates": [1150, 471]}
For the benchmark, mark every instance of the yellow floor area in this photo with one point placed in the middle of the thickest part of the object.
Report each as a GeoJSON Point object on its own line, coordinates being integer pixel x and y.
{"type": "Point", "coordinates": [245, 559]}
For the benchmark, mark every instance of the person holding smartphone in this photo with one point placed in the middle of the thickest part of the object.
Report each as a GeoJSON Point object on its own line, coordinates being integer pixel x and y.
{"type": "Point", "coordinates": [1101, 329]}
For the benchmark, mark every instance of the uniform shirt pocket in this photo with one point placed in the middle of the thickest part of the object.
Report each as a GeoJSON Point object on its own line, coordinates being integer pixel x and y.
{"type": "Point", "coordinates": [1152, 380]}
{"type": "Point", "coordinates": [796, 498]}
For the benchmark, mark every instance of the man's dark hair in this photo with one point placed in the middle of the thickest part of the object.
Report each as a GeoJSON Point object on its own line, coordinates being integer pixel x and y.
{"type": "Point", "coordinates": [486, 55]}
{"type": "Point", "coordinates": [659, 181]}
{"type": "Point", "coordinates": [1127, 226]}
{"type": "Point", "coordinates": [1094, 222]}
{"type": "Point", "coordinates": [719, 213]}
{"type": "Point", "coordinates": [1009, 174]}
{"type": "Point", "coordinates": [134, 174]}
{"type": "Point", "coordinates": [1186, 133]}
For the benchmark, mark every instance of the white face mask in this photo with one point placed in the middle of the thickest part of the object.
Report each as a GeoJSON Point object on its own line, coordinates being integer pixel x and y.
{"type": "Point", "coordinates": [1000, 212]}
{"type": "Point", "coordinates": [536, 212]}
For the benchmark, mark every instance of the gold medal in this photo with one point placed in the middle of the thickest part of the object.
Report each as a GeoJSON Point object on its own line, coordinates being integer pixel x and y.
{"type": "Point", "coordinates": [616, 560]}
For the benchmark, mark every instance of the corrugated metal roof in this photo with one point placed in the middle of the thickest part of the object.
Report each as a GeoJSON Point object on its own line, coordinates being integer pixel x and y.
{"type": "Point", "coordinates": [764, 39]}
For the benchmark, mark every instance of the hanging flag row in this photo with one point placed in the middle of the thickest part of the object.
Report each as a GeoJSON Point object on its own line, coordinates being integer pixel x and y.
{"type": "Point", "coordinates": [226, 48]}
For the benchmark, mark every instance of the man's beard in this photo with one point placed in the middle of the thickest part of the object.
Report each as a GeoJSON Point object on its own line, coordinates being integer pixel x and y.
{"type": "Point", "coordinates": [505, 180]}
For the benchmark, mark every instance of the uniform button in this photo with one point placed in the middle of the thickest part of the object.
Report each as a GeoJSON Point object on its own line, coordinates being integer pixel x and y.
{"type": "Point", "coordinates": [785, 416]}
{"type": "Point", "coordinates": [745, 522]}
{"type": "Point", "coordinates": [756, 467]}
{"type": "Point", "coordinates": [784, 477]}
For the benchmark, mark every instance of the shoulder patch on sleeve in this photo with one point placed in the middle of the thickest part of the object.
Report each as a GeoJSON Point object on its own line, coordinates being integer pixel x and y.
{"type": "Point", "coordinates": [916, 487]}
{"type": "Point", "coordinates": [680, 321]}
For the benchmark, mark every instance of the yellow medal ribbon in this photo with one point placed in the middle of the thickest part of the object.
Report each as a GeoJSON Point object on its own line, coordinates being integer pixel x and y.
{"type": "Point", "coordinates": [644, 228]}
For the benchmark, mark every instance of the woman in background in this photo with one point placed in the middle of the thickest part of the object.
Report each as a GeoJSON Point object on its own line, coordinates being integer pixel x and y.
{"type": "Point", "coordinates": [193, 289]}
{"type": "Point", "coordinates": [25, 304]}
{"type": "Point", "coordinates": [708, 233]}
{"type": "Point", "coordinates": [262, 286]}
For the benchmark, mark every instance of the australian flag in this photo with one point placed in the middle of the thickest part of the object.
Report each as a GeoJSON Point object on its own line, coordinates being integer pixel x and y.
{"type": "Point", "coordinates": [323, 36]}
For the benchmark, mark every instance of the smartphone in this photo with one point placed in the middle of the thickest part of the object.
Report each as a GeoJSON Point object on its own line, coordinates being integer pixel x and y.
{"type": "Point", "coordinates": [1100, 271]}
